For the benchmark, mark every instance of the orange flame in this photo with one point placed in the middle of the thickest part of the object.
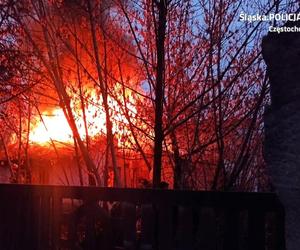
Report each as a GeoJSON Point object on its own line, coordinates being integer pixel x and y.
{"type": "Point", "coordinates": [54, 125]}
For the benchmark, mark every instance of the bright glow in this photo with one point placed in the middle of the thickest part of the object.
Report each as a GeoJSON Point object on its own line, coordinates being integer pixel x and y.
{"type": "Point", "coordinates": [56, 127]}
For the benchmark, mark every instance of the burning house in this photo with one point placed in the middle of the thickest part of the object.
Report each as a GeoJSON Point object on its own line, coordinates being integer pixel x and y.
{"type": "Point", "coordinates": [74, 127]}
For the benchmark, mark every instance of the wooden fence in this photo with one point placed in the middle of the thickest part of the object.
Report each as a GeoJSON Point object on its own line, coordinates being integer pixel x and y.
{"type": "Point", "coordinates": [66, 217]}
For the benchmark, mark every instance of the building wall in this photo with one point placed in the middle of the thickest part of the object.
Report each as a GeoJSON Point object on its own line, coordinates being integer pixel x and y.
{"type": "Point", "coordinates": [282, 125]}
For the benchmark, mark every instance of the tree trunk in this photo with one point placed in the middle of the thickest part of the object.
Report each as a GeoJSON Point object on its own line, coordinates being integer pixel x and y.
{"type": "Point", "coordinates": [103, 87]}
{"type": "Point", "coordinates": [159, 92]}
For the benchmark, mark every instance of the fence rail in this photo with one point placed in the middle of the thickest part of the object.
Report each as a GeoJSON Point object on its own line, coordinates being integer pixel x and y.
{"type": "Point", "coordinates": [68, 217]}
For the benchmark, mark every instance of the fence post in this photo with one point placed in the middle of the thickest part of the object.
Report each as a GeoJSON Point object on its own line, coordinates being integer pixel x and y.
{"type": "Point", "coordinates": [231, 234]}
{"type": "Point", "coordinates": [165, 226]}
{"type": "Point", "coordinates": [57, 209]}
{"type": "Point", "coordinates": [256, 229]}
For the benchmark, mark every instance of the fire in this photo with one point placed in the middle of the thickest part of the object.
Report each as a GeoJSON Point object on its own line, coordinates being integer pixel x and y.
{"type": "Point", "coordinates": [53, 125]}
